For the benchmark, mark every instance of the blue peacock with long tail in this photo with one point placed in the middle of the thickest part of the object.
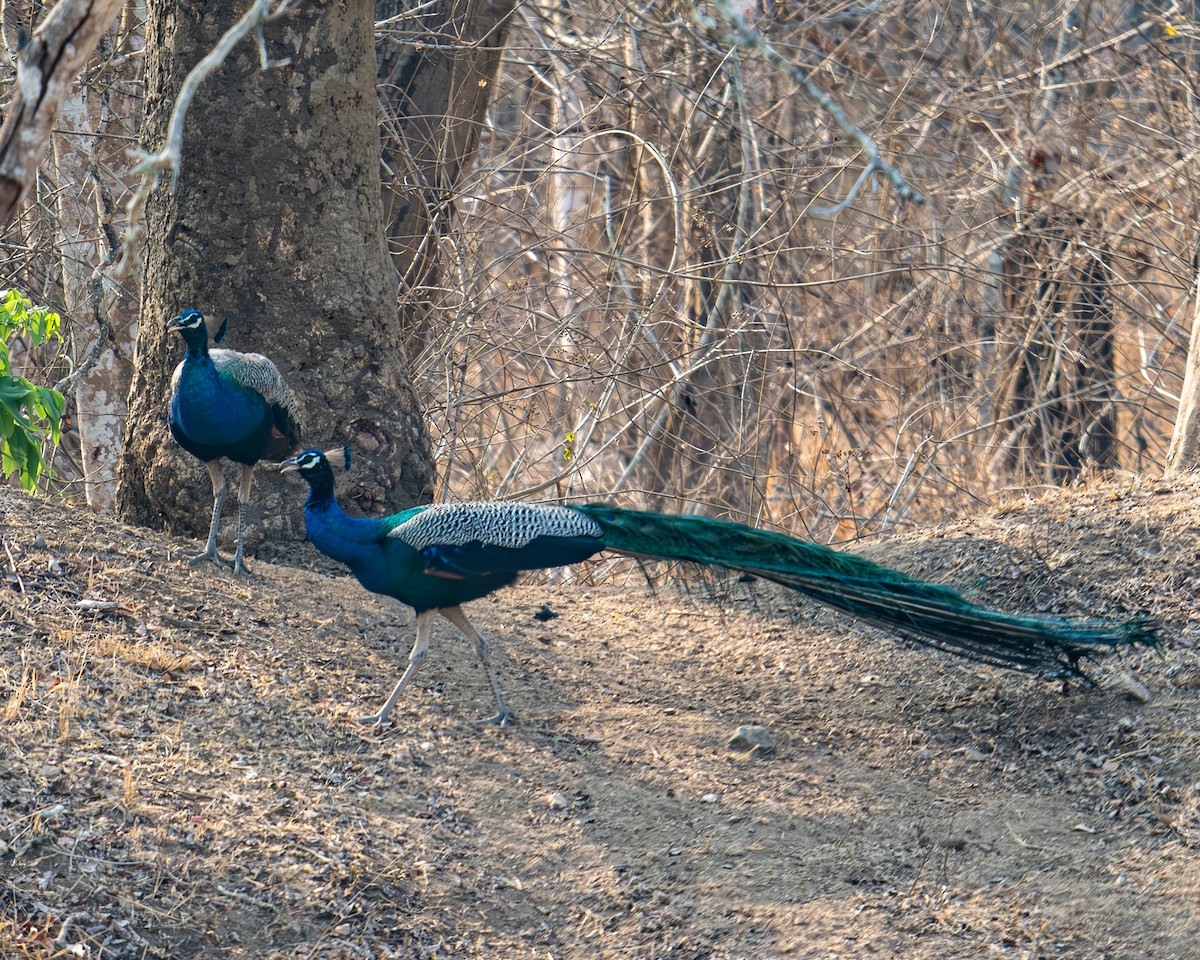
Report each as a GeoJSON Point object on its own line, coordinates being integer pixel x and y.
{"type": "Point", "coordinates": [436, 558]}
{"type": "Point", "coordinates": [231, 405]}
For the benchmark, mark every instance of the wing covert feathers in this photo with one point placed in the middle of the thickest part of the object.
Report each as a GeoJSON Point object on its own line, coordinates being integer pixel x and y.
{"type": "Point", "coordinates": [494, 523]}
{"type": "Point", "coordinates": [256, 372]}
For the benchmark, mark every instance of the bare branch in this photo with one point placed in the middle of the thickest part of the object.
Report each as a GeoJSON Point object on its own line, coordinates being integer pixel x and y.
{"type": "Point", "coordinates": [743, 34]}
{"type": "Point", "coordinates": [47, 65]}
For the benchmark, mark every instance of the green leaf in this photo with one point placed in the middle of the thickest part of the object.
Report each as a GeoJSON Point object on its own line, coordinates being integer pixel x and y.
{"type": "Point", "coordinates": [14, 393]}
{"type": "Point", "coordinates": [27, 458]}
{"type": "Point", "coordinates": [30, 415]}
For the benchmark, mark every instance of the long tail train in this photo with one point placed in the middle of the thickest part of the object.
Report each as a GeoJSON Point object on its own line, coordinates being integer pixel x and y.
{"type": "Point", "coordinates": [934, 615]}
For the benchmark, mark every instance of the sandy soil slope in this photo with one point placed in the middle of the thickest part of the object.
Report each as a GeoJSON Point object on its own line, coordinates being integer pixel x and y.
{"type": "Point", "coordinates": [179, 775]}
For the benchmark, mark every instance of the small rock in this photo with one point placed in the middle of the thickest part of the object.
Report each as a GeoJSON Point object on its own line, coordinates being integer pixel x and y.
{"type": "Point", "coordinates": [923, 754]}
{"type": "Point", "coordinates": [753, 737]}
{"type": "Point", "coordinates": [50, 771]}
{"type": "Point", "coordinates": [710, 798]}
{"type": "Point", "coordinates": [558, 801]}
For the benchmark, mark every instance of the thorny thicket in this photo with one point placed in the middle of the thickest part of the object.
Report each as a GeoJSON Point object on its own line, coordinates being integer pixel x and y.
{"type": "Point", "coordinates": [647, 294]}
{"type": "Point", "coordinates": [663, 281]}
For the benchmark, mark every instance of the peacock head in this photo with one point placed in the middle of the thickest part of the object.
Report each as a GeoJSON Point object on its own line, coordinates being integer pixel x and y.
{"type": "Point", "coordinates": [190, 325]}
{"type": "Point", "coordinates": [315, 465]}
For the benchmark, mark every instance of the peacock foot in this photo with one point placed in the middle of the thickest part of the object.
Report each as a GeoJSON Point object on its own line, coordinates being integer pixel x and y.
{"type": "Point", "coordinates": [501, 718]}
{"type": "Point", "coordinates": [210, 554]}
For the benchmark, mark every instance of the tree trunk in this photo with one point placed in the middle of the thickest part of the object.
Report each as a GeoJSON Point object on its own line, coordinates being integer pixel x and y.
{"type": "Point", "coordinates": [276, 222]}
{"type": "Point", "coordinates": [92, 164]}
{"type": "Point", "coordinates": [435, 95]}
{"type": "Point", "coordinates": [1184, 452]}
{"type": "Point", "coordinates": [46, 69]}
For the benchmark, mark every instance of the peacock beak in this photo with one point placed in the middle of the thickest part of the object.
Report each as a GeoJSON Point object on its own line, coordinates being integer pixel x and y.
{"type": "Point", "coordinates": [289, 465]}
{"type": "Point", "coordinates": [175, 323]}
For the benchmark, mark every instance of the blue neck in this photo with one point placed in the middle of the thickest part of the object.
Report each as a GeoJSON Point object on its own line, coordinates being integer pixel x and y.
{"type": "Point", "coordinates": [320, 497]}
{"type": "Point", "coordinates": [196, 342]}
{"type": "Point", "coordinates": [335, 533]}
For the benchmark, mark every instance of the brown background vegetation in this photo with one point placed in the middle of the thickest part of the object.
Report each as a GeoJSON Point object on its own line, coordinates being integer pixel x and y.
{"type": "Point", "coordinates": [650, 284]}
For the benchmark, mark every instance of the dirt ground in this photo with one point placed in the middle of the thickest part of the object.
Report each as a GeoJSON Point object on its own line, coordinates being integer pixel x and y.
{"type": "Point", "coordinates": [180, 777]}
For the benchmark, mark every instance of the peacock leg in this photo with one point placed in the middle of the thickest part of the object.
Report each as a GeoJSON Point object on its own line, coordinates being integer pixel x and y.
{"type": "Point", "coordinates": [419, 651]}
{"type": "Point", "coordinates": [456, 616]}
{"type": "Point", "coordinates": [239, 559]}
{"type": "Point", "coordinates": [218, 484]}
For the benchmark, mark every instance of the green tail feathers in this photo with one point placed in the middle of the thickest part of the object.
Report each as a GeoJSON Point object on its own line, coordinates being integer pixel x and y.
{"type": "Point", "coordinates": [927, 613]}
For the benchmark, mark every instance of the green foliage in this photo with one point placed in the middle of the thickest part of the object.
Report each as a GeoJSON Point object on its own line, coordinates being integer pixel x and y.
{"type": "Point", "coordinates": [29, 415]}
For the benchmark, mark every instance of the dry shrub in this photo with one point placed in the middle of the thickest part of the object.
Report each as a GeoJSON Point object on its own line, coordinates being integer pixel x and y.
{"type": "Point", "coordinates": [663, 281]}
{"type": "Point", "coordinates": [641, 295]}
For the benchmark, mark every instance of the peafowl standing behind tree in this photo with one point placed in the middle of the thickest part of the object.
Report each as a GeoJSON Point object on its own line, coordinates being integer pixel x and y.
{"type": "Point", "coordinates": [436, 558]}
{"type": "Point", "coordinates": [226, 404]}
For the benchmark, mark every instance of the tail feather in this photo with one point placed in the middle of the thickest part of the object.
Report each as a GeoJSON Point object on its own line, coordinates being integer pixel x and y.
{"type": "Point", "coordinates": [927, 613]}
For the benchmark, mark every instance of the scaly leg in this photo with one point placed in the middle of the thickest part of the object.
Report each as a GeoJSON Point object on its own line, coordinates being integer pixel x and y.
{"type": "Point", "coordinates": [420, 650]}
{"type": "Point", "coordinates": [218, 485]}
{"type": "Point", "coordinates": [239, 559]}
{"type": "Point", "coordinates": [456, 616]}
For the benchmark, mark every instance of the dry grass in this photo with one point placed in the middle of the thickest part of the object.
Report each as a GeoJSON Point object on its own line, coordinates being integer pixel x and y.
{"type": "Point", "coordinates": [182, 779]}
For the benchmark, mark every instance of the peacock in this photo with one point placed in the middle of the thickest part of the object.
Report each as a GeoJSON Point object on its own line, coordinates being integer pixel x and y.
{"type": "Point", "coordinates": [436, 558]}
{"type": "Point", "coordinates": [231, 405]}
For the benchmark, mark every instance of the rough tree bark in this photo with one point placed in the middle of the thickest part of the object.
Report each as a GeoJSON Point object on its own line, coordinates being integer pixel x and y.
{"type": "Point", "coordinates": [276, 222]}
{"type": "Point", "coordinates": [1056, 410]}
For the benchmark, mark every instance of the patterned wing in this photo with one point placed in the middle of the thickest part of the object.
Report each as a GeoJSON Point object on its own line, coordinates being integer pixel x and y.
{"type": "Point", "coordinates": [492, 538]}
{"type": "Point", "coordinates": [495, 523]}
